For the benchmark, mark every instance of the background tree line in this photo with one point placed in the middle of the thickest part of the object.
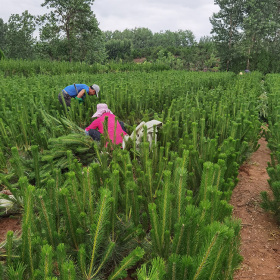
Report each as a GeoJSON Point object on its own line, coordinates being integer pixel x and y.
{"type": "Point", "coordinates": [245, 35]}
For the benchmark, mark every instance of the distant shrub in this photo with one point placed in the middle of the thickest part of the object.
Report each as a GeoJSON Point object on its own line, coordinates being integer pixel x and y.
{"type": "Point", "coordinates": [2, 55]}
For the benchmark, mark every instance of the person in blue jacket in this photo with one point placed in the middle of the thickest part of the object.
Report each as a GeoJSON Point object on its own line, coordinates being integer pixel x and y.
{"type": "Point", "coordinates": [78, 92]}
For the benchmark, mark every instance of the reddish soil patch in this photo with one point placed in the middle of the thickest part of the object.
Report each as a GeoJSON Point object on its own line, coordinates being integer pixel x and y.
{"type": "Point", "coordinates": [260, 243]}
{"type": "Point", "coordinates": [9, 223]}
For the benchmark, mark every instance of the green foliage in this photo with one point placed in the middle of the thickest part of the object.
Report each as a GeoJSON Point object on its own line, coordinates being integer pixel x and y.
{"type": "Point", "coordinates": [93, 212]}
{"type": "Point", "coordinates": [118, 49]}
{"type": "Point", "coordinates": [156, 270]}
{"type": "Point", "coordinates": [244, 37]}
{"type": "Point", "coordinates": [19, 36]}
{"type": "Point", "coordinates": [74, 21]}
{"type": "Point", "coordinates": [2, 55]}
{"type": "Point", "coordinates": [272, 202]}
{"type": "Point", "coordinates": [16, 273]}
{"type": "Point", "coordinates": [263, 106]}
{"type": "Point", "coordinates": [129, 261]}
{"type": "Point", "coordinates": [241, 30]}
{"type": "Point", "coordinates": [169, 60]}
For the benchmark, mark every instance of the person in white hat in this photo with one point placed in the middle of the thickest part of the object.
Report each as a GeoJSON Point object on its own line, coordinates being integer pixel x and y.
{"type": "Point", "coordinates": [96, 127]}
{"type": "Point", "coordinates": [78, 92]}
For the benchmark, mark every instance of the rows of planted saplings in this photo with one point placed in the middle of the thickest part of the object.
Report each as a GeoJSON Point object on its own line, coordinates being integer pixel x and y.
{"type": "Point", "coordinates": [27, 68]}
{"type": "Point", "coordinates": [90, 212]}
{"type": "Point", "coordinates": [272, 202]}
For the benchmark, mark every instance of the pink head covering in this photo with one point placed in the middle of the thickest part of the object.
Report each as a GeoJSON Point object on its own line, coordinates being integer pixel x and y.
{"type": "Point", "coordinates": [101, 109]}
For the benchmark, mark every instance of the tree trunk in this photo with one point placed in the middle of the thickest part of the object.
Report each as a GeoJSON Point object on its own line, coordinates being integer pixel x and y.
{"type": "Point", "coordinates": [249, 52]}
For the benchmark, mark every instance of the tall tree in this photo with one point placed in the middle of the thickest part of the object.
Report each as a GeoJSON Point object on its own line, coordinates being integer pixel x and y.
{"type": "Point", "coordinates": [181, 38]}
{"type": "Point", "coordinates": [51, 44]}
{"type": "Point", "coordinates": [142, 38]}
{"type": "Point", "coordinates": [118, 49]}
{"type": "Point", "coordinates": [261, 17]}
{"type": "Point", "coordinates": [247, 34]}
{"type": "Point", "coordinates": [226, 25]}
{"type": "Point", "coordinates": [186, 38]}
{"type": "Point", "coordinates": [19, 36]}
{"type": "Point", "coordinates": [76, 23]}
{"type": "Point", "coordinates": [3, 30]}
{"type": "Point", "coordinates": [274, 40]}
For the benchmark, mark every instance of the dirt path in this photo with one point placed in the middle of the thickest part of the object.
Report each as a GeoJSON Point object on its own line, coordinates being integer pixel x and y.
{"type": "Point", "coordinates": [260, 235]}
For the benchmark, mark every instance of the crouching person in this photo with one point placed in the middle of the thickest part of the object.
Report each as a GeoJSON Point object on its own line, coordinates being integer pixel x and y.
{"type": "Point", "coordinates": [77, 92]}
{"type": "Point", "coordinates": [96, 128]}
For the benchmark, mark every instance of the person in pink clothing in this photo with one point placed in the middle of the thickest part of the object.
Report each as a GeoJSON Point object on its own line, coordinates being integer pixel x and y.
{"type": "Point", "coordinates": [95, 129]}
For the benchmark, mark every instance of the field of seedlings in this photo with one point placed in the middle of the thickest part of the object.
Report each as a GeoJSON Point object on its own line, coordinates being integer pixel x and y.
{"type": "Point", "coordinates": [273, 137]}
{"type": "Point", "coordinates": [159, 212]}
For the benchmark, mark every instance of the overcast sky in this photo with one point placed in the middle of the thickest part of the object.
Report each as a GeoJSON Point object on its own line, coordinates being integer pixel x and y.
{"type": "Point", "coordinates": [156, 15]}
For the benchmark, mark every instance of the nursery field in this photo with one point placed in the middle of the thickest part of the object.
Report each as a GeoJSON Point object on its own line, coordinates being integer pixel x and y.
{"type": "Point", "coordinates": [157, 212]}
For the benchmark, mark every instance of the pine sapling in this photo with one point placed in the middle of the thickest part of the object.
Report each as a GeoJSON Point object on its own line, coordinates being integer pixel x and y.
{"type": "Point", "coordinates": [121, 271]}
{"type": "Point", "coordinates": [71, 215]}
{"type": "Point", "coordinates": [82, 258]}
{"type": "Point", "coordinates": [99, 228]}
{"type": "Point", "coordinates": [46, 216]}
{"type": "Point", "coordinates": [15, 272]}
{"type": "Point", "coordinates": [9, 247]}
{"type": "Point", "coordinates": [68, 271]}
{"type": "Point", "coordinates": [115, 194]}
{"type": "Point", "coordinates": [17, 163]}
{"type": "Point", "coordinates": [46, 261]}
{"type": "Point", "coordinates": [35, 155]}
{"type": "Point", "coordinates": [156, 270]}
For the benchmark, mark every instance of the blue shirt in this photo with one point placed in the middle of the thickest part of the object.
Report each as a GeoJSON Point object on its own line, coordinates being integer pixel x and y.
{"type": "Point", "coordinates": [72, 91]}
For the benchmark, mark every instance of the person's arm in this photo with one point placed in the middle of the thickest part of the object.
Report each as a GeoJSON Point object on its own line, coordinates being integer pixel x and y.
{"type": "Point", "coordinates": [80, 96]}
{"type": "Point", "coordinates": [93, 125]}
{"type": "Point", "coordinates": [81, 93]}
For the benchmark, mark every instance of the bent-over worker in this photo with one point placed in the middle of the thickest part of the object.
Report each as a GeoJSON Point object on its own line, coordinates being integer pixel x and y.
{"type": "Point", "coordinates": [78, 92]}
{"type": "Point", "coordinates": [95, 129]}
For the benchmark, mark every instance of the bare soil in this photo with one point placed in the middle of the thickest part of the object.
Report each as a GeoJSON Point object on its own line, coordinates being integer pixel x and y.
{"type": "Point", "coordinates": [12, 223]}
{"type": "Point", "coordinates": [140, 60]}
{"type": "Point", "coordinates": [260, 234]}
